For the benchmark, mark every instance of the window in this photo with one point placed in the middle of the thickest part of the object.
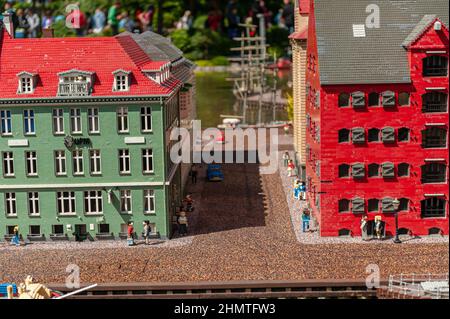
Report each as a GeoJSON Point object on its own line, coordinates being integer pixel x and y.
{"type": "Point", "coordinates": [78, 162]}
{"type": "Point", "coordinates": [58, 230]}
{"type": "Point", "coordinates": [149, 201]}
{"type": "Point", "coordinates": [124, 162]}
{"type": "Point", "coordinates": [388, 135]}
{"type": "Point", "coordinates": [33, 203]}
{"type": "Point", "coordinates": [35, 230]}
{"type": "Point", "coordinates": [433, 207]}
{"type": "Point", "coordinates": [125, 201]}
{"type": "Point", "coordinates": [403, 99]}
{"type": "Point", "coordinates": [373, 205]}
{"type": "Point", "coordinates": [121, 82]}
{"type": "Point", "coordinates": [58, 121]}
{"type": "Point", "coordinates": [388, 98]}
{"type": "Point", "coordinates": [5, 122]}
{"type": "Point", "coordinates": [25, 84]}
{"type": "Point", "coordinates": [344, 206]}
{"type": "Point", "coordinates": [344, 100]}
{"type": "Point", "coordinates": [373, 135]}
{"type": "Point", "coordinates": [358, 206]}
{"type": "Point", "coordinates": [10, 202]}
{"type": "Point", "coordinates": [404, 204]}
{"type": "Point", "coordinates": [66, 203]}
{"type": "Point", "coordinates": [95, 162]}
{"type": "Point", "coordinates": [8, 164]}
{"type": "Point", "coordinates": [388, 170]}
{"type": "Point", "coordinates": [93, 202]}
{"type": "Point", "coordinates": [387, 205]}
{"type": "Point", "coordinates": [93, 120]}
{"type": "Point", "coordinates": [435, 65]}
{"type": "Point", "coordinates": [60, 163]}
{"type": "Point", "coordinates": [75, 121]}
{"type": "Point", "coordinates": [434, 173]}
{"type": "Point", "coordinates": [434, 137]}
{"type": "Point", "coordinates": [358, 170]}
{"type": "Point", "coordinates": [358, 136]}
{"type": "Point", "coordinates": [403, 170]}
{"type": "Point", "coordinates": [147, 161]}
{"type": "Point", "coordinates": [28, 119]}
{"type": "Point", "coordinates": [344, 136]}
{"type": "Point", "coordinates": [344, 170]}
{"type": "Point", "coordinates": [374, 170]}
{"type": "Point", "coordinates": [344, 232]}
{"type": "Point", "coordinates": [374, 99]}
{"type": "Point", "coordinates": [103, 229]}
{"type": "Point", "coordinates": [146, 119]}
{"type": "Point", "coordinates": [434, 102]}
{"type": "Point", "coordinates": [122, 120]}
{"type": "Point", "coordinates": [31, 163]}
{"type": "Point", "coordinates": [403, 134]}
{"type": "Point", "coordinates": [358, 100]}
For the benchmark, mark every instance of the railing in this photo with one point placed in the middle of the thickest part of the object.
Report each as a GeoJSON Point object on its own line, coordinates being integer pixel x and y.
{"type": "Point", "coordinates": [410, 284]}
{"type": "Point", "coordinates": [73, 89]}
{"type": "Point", "coordinates": [429, 107]}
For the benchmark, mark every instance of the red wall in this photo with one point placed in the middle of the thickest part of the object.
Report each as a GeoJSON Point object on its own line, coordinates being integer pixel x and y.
{"type": "Point", "coordinates": [331, 154]}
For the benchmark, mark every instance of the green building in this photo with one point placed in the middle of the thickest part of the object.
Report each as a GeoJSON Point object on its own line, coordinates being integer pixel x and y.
{"type": "Point", "coordinates": [84, 137]}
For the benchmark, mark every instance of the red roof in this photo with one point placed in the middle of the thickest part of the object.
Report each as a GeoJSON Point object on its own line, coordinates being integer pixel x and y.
{"type": "Point", "coordinates": [301, 35]}
{"type": "Point", "coordinates": [102, 56]}
{"type": "Point", "coordinates": [304, 5]}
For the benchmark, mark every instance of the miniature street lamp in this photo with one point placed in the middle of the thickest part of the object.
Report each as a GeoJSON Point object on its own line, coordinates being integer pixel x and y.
{"type": "Point", "coordinates": [396, 204]}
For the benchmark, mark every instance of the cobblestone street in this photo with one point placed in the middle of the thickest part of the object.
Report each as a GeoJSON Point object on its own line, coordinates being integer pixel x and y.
{"type": "Point", "coordinates": [241, 230]}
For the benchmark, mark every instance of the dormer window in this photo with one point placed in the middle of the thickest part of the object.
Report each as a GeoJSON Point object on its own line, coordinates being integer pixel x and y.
{"type": "Point", "coordinates": [121, 81]}
{"type": "Point", "coordinates": [75, 83]}
{"type": "Point", "coordinates": [159, 75]}
{"type": "Point", "coordinates": [26, 83]}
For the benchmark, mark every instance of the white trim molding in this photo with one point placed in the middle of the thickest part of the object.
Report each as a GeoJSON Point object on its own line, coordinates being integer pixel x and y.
{"type": "Point", "coordinates": [135, 140]}
{"type": "Point", "coordinates": [86, 185]}
{"type": "Point", "coordinates": [18, 143]}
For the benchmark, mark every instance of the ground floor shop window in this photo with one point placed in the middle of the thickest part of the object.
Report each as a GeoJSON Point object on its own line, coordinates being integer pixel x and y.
{"type": "Point", "coordinates": [35, 230]}
{"type": "Point", "coordinates": [433, 207]}
{"type": "Point", "coordinates": [103, 229]}
{"type": "Point", "coordinates": [58, 230]}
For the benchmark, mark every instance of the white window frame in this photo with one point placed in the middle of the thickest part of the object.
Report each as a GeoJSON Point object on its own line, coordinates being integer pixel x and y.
{"type": "Point", "coordinates": [60, 162]}
{"type": "Point", "coordinates": [29, 121]}
{"type": "Point", "coordinates": [76, 126]}
{"type": "Point", "coordinates": [31, 161]}
{"type": "Point", "coordinates": [121, 82]}
{"type": "Point", "coordinates": [122, 120]}
{"type": "Point", "coordinates": [10, 204]}
{"type": "Point", "coordinates": [8, 164]}
{"type": "Point", "coordinates": [93, 120]}
{"type": "Point", "coordinates": [124, 158]}
{"type": "Point", "coordinates": [147, 161]}
{"type": "Point", "coordinates": [95, 162]}
{"type": "Point", "coordinates": [26, 84]}
{"type": "Point", "coordinates": [33, 204]}
{"type": "Point", "coordinates": [149, 197]}
{"type": "Point", "coordinates": [5, 123]}
{"type": "Point", "coordinates": [71, 201]}
{"type": "Point", "coordinates": [126, 201]}
{"type": "Point", "coordinates": [58, 121]}
{"type": "Point", "coordinates": [95, 196]}
{"type": "Point", "coordinates": [146, 119]}
{"type": "Point", "coordinates": [77, 162]}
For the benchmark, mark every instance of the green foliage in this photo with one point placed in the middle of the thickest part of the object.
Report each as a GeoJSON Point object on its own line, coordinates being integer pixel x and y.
{"type": "Point", "coordinates": [216, 61]}
{"type": "Point", "coordinates": [278, 38]}
{"type": "Point", "coordinates": [62, 31]}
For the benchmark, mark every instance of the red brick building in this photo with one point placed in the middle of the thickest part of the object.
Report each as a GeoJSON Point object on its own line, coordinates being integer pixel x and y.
{"type": "Point", "coordinates": [377, 115]}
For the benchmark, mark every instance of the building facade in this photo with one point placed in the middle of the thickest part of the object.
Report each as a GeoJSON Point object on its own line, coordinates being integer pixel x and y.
{"type": "Point", "coordinates": [299, 48]}
{"type": "Point", "coordinates": [377, 116]}
{"type": "Point", "coordinates": [85, 137]}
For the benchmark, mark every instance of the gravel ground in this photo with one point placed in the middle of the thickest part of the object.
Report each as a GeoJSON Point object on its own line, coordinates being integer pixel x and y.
{"type": "Point", "coordinates": [241, 230]}
{"type": "Point", "coordinates": [296, 208]}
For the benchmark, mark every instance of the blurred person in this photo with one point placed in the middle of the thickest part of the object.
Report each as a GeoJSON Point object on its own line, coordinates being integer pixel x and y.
{"type": "Point", "coordinates": [233, 23]}
{"type": "Point", "coordinates": [126, 22]}
{"type": "Point", "coordinates": [34, 22]}
{"type": "Point", "coordinates": [145, 18]}
{"type": "Point", "coordinates": [130, 234]}
{"type": "Point", "coordinates": [78, 20]}
{"type": "Point", "coordinates": [288, 15]}
{"type": "Point", "coordinates": [186, 21]}
{"type": "Point", "coordinates": [16, 236]}
{"type": "Point", "coordinates": [214, 20]}
{"type": "Point", "coordinates": [47, 20]}
{"type": "Point", "coordinates": [183, 224]}
{"type": "Point", "coordinates": [147, 231]}
{"type": "Point", "coordinates": [113, 17]}
{"type": "Point", "coordinates": [98, 21]}
{"type": "Point", "coordinates": [21, 31]}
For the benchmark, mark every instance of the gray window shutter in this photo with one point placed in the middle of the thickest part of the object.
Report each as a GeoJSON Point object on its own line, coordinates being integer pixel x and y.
{"type": "Point", "coordinates": [388, 135]}
{"type": "Point", "coordinates": [358, 100]}
{"type": "Point", "coordinates": [358, 171]}
{"type": "Point", "coordinates": [387, 205]}
{"type": "Point", "coordinates": [388, 170]}
{"type": "Point", "coordinates": [358, 135]}
{"type": "Point", "coordinates": [358, 206]}
{"type": "Point", "coordinates": [388, 98]}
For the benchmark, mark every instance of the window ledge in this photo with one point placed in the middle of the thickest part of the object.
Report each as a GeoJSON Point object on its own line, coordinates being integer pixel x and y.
{"type": "Point", "coordinates": [68, 215]}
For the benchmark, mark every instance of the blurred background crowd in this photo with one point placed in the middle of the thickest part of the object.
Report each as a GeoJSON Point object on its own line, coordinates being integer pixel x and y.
{"type": "Point", "coordinates": [203, 29]}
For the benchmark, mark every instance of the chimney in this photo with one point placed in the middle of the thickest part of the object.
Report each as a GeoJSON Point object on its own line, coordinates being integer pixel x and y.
{"type": "Point", "coordinates": [48, 33]}
{"type": "Point", "coordinates": [8, 23]}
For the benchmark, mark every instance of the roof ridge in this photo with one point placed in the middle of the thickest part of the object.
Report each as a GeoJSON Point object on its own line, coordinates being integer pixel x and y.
{"type": "Point", "coordinates": [421, 27]}
{"type": "Point", "coordinates": [133, 50]}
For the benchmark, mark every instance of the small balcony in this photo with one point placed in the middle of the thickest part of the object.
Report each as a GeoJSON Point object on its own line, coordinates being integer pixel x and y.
{"type": "Point", "coordinates": [74, 89]}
